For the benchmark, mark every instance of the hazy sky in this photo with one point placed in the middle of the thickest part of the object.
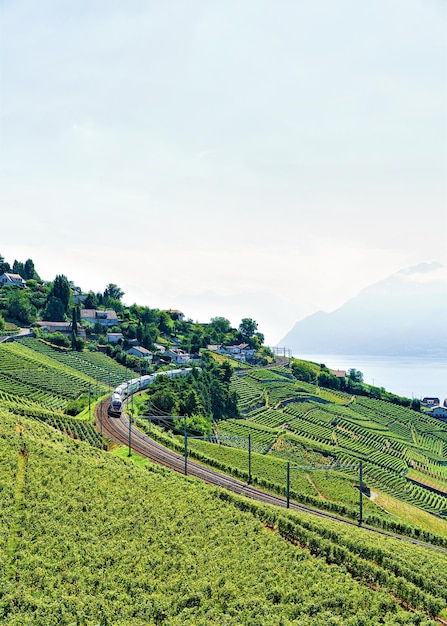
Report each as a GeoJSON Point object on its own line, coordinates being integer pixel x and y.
{"type": "Point", "coordinates": [244, 158]}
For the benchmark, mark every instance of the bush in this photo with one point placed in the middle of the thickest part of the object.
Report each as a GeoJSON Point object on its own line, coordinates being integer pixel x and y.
{"type": "Point", "coordinates": [58, 339]}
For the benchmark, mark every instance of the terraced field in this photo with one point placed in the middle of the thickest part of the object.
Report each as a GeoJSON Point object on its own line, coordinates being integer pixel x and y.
{"type": "Point", "coordinates": [89, 538]}
{"type": "Point", "coordinates": [35, 384]}
{"type": "Point", "coordinates": [94, 365]}
{"type": "Point", "coordinates": [388, 439]}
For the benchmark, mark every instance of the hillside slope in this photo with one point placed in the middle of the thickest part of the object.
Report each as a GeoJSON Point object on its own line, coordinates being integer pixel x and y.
{"type": "Point", "coordinates": [91, 539]}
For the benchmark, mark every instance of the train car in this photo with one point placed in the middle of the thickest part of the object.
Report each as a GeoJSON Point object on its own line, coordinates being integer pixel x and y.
{"type": "Point", "coordinates": [116, 404]}
{"type": "Point", "coordinates": [126, 389]}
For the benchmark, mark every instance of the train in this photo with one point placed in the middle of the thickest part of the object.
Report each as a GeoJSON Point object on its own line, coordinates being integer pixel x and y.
{"type": "Point", "coordinates": [126, 389]}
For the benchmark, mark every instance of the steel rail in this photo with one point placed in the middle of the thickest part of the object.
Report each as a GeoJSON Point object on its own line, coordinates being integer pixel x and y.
{"type": "Point", "coordinates": [117, 429]}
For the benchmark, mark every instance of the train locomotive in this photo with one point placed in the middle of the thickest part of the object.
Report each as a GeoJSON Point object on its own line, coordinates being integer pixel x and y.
{"type": "Point", "coordinates": [125, 390]}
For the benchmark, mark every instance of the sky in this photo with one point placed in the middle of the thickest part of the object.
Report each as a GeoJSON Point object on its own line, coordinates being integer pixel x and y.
{"type": "Point", "coordinates": [237, 158]}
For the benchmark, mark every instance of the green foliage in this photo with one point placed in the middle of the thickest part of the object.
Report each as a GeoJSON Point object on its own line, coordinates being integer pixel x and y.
{"type": "Point", "coordinates": [58, 339]}
{"type": "Point", "coordinates": [4, 266]}
{"type": "Point", "coordinates": [113, 292]}
{"type": "Point", "coordinates": [62, 291]}
{"type": "Point", "coordinates": [19, 306]}
{"type": "Point", "coordinates": [388, 438]}
{"type": "Point", "coordinates": [94, 539]}
{"type": "Point", "coordinates": [325, 379]}
{"type": "Point", "coordinates": [54, 310]}
{"type": "Point", "coordinates": [355, 375]}
{"type": "Point", "coordinates": [304, 371]}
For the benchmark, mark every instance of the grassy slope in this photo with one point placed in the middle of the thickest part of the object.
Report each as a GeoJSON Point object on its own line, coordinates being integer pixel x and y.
{"type": "Point", "coordinates": [91, 539]}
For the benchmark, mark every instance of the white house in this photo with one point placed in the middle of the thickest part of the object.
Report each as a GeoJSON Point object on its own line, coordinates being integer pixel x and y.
{"type": "Point", "coordinates": [105, 318]}
{"type": "Point", "coordinates": [178, 356]}
{"type": "Point", "coordinates": [61, 327]}
{"type": "Point", "coordinates": [175, 314]}
{"type": "Point", "coordinates": [140, 352]}
{"type": "Point", "coordinates": [429, 402]}
{"type": "Point", "coordinates": [12, 279]}
{"type": "Point", "coordinates": [440, 412]}
{"type": "Point", "coordinates": [114, 338]}
{"type": "Point", "coordinates": [241, 351]}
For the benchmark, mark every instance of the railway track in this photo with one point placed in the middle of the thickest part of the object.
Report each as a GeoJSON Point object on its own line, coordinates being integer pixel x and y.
{"type": "Point", "coordinates": [117, 429]}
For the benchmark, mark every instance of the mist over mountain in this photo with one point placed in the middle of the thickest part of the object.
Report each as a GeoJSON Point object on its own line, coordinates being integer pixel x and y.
{"type": "Point", "coordinates": [404, 314]}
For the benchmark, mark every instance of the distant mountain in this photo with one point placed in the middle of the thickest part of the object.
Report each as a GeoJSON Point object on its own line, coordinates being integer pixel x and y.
{"type": "Point", "coordinates": [405, 314]}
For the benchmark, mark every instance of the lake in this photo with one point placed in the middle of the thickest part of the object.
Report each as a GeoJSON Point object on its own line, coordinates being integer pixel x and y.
{"type": "Point", "coordinates": [412, 377]}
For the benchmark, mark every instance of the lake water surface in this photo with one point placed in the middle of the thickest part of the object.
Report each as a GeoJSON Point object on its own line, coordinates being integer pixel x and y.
{"type": "Point", "coordinates": [412, 377]}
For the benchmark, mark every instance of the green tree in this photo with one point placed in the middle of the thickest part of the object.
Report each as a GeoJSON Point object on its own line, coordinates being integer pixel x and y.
{"type": "Point", "coordinates": [54, 310]}
{"type": "Point", "coordinates": [91, 301]}
{"type": "Point", "coordinates": [30, 272]}
{"type": "Point", "coordinates": [220, 327]}
{"type": "Point", "coordinates": [74, 327]}
{"type": "Point", "coordinates": [355, 375]}
{"type": "Point", "coordinates": [247, 328]}
{"type": "Point", "coordinates": [326, 379]}
{"type": "Point", "coordinates": [20, 307]}
{"type": "Point", "coordinates": [18, 268]}
{"type": "Point", "coordinates": [61, 289]}
{"type": "Point", "coordinates": [4, 266]}
{"type": "Point", "coordinates": [113, 292]}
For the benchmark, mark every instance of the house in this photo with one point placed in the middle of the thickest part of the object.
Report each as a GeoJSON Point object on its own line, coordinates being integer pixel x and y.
{"type": "Point", "coordinates": [12, 279]}
{"type": "Point", "coordinates": [440, 412]}
{"type": "Point", "coordinates": [429, 402]}
{"type": "Point", "coordinates": [105, 318]}
{"type": "Point", "coordinates": [177, 355]}
{"type": "Point", "coordinates": [338, 373]}
{"type": "Point", "coordinates": [241, 351]}
{"type": "Point", "coordinates": [114, 338]}
{"type": "Point", "coordinates": [61, 327]}
{"type": "Point", "coordinates": [140, 352]}
{"type": "Point", "coordinates": [214, 347]}
{"type": "Point", "coordinates": [175, 314]}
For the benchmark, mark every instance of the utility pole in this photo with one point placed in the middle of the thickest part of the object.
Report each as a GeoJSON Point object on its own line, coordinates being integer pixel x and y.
{"type": "Point", "coordinates": [249, 459]}
{"type": "Point", "coordinates": [89, 400]}
{"type": "Point", "coordinates": [130, 435]}
{"type": "Point", "coordinates": [361, 492]}
{"type": "Point", "coordinates": [185, 445]}
{"type": "Point", "coordinates": [288, 485]}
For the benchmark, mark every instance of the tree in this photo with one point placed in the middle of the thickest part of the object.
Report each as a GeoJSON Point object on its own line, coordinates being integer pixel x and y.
{"type": "Point", "coordinates": [54, 310]}
{"type": "Point", "coordinates": [4, 267]}
{"type": "Point", "coordinates": [416, 404]}
{"type": "Point", "coordinates": [18, 268]}
{"type": "Point", "coordinates": [20, 307]}
{"type": "Point", "coordinates": [91, 301]}
{"type": "Point", "coordinates": [221, 326]}
{"type": "Point", "coordinates": [248, 327]}
{"type": "Point", "coordinates": [355, 375]}
{"type": "Point", "coordinates": [113, 292]}
{"type": "Point", "coordinates": [74, 327]}
{"type": "Point", "coordinates": [61, 289]}
{"type": "Point", "coordinates": [326, 379]}
{"type": "Point", "coordinates": [30, 272]}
